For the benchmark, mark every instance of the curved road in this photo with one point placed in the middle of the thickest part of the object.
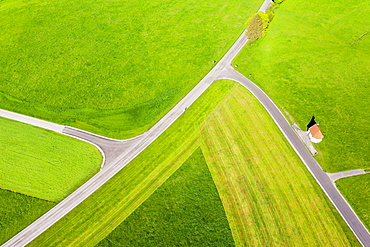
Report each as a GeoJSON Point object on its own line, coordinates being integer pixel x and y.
{"type": "Point", "coordinates": [122, 156]}
{"type": "Point", "coordinates": [345, 174]}
{"type": "Point", "coordinates": [321, 177]}
{"type": "Point", "coordinates": [119, 153]}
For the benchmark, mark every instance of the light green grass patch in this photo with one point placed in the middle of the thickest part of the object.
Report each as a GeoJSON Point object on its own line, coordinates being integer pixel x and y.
{"type": "Point", "coordinates": [356, 190]}
{"type": "Point", "coordinates": [110, 67]}
{"type": "Point", "coordinates": [185, 211]}
{"type": "Point", "coordinates": [17, 211]}
{"type": "Point", "coordinates": [262, 204]}
{"type": "Point", "coordinates": [269, 196]}
{"type": "Point", "coordinates": [43, 164]}
{"type": "Point", "coordinates": [307, 65]}
{"type": "Point", "coordinates": [107, 208]}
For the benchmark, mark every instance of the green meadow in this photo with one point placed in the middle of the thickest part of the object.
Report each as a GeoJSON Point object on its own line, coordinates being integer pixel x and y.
{"type": "Point", "coordinates": [268, 195]}
{"type": "Point", "coordinates": [356, 190]}
{"type": "Point", "coordinates": [110, 67]}
{"type": "Point", "coordinates": [43, 164]}
{"type": "Point", "coordinates": [17, 211]}
{"type": "Point", "coordinates": [185, 211]}
{"type": "Point", "coordinates": [315, 61]}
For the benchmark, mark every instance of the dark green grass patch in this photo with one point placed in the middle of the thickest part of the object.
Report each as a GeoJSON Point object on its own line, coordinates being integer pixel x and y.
{"type": "Point", "coordinates": [269, 196]}
{"type": "Point", "coordinates": [308, 66]}
{"type": "Point", "coordinates": [185, 211]}
{"type": "Point", "coordinates": [110, 67]}
{"type": "Point", "coordinates": [109, 206]}
{"type": "Point", "coordinates": [356, 190]}
{"type": "Point", "coordinates": [18, 211]}
{"type": "Point", "coordinates": [42, 163]}
{"type": "Point", "coordinates": [265, 218]}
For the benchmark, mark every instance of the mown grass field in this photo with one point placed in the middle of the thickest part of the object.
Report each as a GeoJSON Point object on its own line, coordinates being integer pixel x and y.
{"type": "Point", "coordinates": [356, 190]}
{"type": "Point", "coordinates": [268, 195]}
{"type": "Point", "coordinates": [185, 211]}
{"type": "Point", "coordinates": [43, 164]}
{"type": "Point", "coordinates": [309, 64]}
{"type": "Point", "coordinates": [17, 211]}
{"type": "Point", "coordinates": [110, 67]}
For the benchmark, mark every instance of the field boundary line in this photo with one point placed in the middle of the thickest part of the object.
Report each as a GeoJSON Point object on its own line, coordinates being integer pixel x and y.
{"type": "Point", "coordinates": [322, 178]}
{"type": "Point", "coordinates": [35, 229]}
{"type": "Point", "coordinates": [48, 126]}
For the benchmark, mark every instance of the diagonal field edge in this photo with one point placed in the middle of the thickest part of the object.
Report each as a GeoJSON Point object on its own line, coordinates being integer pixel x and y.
{"type": "Point", "coordinates": [329, 188]}
{"type": "Point", "coordinates": [47, 220]}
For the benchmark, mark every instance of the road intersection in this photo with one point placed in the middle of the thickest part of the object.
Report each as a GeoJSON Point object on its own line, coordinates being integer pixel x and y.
{"type": "Point", "coordinates": [118, 153]}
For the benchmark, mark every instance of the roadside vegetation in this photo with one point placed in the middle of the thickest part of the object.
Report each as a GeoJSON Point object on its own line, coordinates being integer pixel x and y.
{"type": "Point", "coordinates": [268, 195]}
{"type": "Point", "coordinates": [257, 25]}
{"type": "Point", "coordinates": [42, 163]}
{"type": "Point", "coordinates": [185, 211]}
{"type": "Point", "coordinates": [308, 65]}
{"type": "Point", "coordinates": [110, 67]}
{"type": "Point", "coordinates": [356, 190]}
{"type": "Point", "coordinates": [17, 211]}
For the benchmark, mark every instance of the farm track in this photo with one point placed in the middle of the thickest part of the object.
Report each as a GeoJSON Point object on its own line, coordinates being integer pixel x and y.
{"type": "Point", "coordinates": [118, 153]}
{"type": "Point", "coordinates": [339, 175]}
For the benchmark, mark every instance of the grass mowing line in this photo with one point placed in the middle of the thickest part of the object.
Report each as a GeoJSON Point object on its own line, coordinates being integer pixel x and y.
{"type": "Point", "coordinates": [276, 197]}
{"type": "Point", "coordinates": [231, 184]}
{"type": "Point", "coordinates": [229, 205]}
{"type": "Point", "coordinates": [17, 211]}
{"type": "Point", "coordinates": [212, 134]}
{"type": "Point", "coordinates": [186, 210]}
{"type": "Point", "coordinates": [135, 198]}
{"type": "Point", "coordinates": [93, 213]}
{"type": "Point", "coordinates": [265, 210]}
{"type": "Point", "coordinates": [110, 67]}
{"type": "Point", "coordinates": [42, 163]}
{"type": "Point", "coordinates": [310, 63]}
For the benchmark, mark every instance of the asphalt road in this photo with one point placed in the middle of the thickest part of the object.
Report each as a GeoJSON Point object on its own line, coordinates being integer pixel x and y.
{"type": "Point", "coordinates": [321, 177]}
{"type": "Point", "coordinates": [118, 153]}
{"type": "Point", "coordinates": [339, 175]}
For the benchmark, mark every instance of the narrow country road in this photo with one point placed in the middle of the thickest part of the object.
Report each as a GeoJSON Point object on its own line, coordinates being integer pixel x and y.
{"type": "Point", "coordinates": [119, 153]}
{"type": "Point", "coordinates": [321, 177]}
{"type": "Point", "coordinates": [339, 175]}
{"type": "Point", "coordinates": [114, 164]}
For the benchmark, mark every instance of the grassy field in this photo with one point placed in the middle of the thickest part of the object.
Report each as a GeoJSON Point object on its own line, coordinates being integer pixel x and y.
{"type": "Point", "coordinates": [185, 211]}
{"type": "Point", "coordinates": [110, 67]}
{"type": "Point", "coordinates": [43, 164]}
{"type": "Point", "coordinates": [18, 211]}
{"type": "Point", "coordinates": [274, 198]}
{"type": "Point", "coordinates": [104, 210]}
{"type": "Point", "coordinates": [269, 196]}
{"type": "Point", "coordinates": [356, 190]}
{"type": "Point", "coordinates": [308, 64]}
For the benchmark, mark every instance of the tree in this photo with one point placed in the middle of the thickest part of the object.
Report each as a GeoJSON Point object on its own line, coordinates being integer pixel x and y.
{"type": "Point", "coordinates": [257, 25]}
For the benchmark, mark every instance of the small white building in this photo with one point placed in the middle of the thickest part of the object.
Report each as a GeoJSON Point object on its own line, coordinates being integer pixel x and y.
{"type": "Point", "coordinates": [315, 134]}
